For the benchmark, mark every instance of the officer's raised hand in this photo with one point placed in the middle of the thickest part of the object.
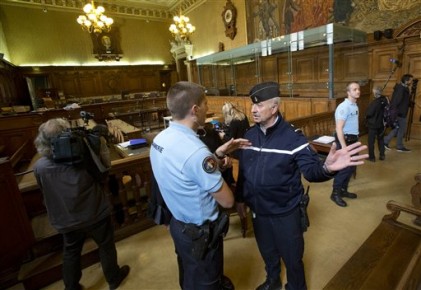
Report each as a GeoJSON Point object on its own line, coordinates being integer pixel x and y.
{"type": "Point", "coordinates": [339, 159]}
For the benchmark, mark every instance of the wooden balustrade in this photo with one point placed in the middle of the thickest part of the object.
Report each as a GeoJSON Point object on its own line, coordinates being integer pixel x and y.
{"type": "Point", "coordinates": [316, 125]}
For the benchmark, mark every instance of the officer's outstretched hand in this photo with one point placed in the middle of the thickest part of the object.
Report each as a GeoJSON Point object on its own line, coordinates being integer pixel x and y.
{"type": "Point", "coordinates": [339, 159]}
{"type": "Point", "coordinates": [231, 146]}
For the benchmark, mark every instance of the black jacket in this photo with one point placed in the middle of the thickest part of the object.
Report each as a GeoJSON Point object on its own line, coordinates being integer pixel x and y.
{"type": "Point", "coordinates": [375, 113]}
{"type": "Point", "coordinates": [270, 171]}
{"type": "Point", "coordinates": [400, 99]}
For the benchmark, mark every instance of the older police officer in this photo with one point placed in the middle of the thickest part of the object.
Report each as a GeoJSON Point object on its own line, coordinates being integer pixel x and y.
{"type": "Point", "coordinates": [270, 182]}
{"type": "Point", "coordinates": [192, 186]}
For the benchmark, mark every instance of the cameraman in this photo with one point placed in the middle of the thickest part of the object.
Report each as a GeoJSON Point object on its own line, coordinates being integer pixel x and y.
{"type": "Point", "coordinates": [77, 207]}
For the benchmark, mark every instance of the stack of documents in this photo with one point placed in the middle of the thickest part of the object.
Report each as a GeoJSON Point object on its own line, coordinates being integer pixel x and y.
{"type": "Point", "coordinates": [324, 139]}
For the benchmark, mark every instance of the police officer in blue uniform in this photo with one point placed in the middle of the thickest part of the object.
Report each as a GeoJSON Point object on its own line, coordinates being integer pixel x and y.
{"type": "Point", "coordinates": [346, 117]}
{"type": "Point", "coordinates": [191, 185]}
{"type": "Point", "coordinates": [270, 183]}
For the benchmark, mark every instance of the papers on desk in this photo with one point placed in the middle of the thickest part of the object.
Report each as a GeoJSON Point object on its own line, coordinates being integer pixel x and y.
{"type": "Point", "coordinates": [124, 144]}
{"type": "Point", "coordinates": [325, 139]}
{"type": "Point", "coordinates": [134, 143]}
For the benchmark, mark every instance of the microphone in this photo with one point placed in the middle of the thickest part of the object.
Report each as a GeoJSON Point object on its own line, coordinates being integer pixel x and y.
{"type": "Point", "coordinates": [395, 61]}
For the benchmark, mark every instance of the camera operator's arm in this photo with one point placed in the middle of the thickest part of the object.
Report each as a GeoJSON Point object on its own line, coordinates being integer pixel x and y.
{"type": "Point", "coordinates": [105, 153]}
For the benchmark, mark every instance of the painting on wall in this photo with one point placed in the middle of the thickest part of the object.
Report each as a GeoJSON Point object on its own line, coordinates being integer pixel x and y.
{"type": "Point", "coordinates": [106, 45]}
{"type": "Point", "coordinates": [271, 18]}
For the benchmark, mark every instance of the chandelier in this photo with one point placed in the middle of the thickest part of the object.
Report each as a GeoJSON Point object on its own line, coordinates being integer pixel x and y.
{"type": "Point", "coordinates": [94, 20]}
{"type": "Point", "coordinates": [181, 29]}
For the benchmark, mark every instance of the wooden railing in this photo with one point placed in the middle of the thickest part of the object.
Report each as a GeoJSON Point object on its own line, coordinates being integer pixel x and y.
{"type": "Point", "coordinates": [316, 125]}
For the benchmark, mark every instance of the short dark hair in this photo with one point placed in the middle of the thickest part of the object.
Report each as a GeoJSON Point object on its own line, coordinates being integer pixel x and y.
{"type": "Point", "coordinates": [406, 77]}
{"type": "Point", "coordinates": [348, 85]}
{"type": "Point", "coordinates": [182, 96]}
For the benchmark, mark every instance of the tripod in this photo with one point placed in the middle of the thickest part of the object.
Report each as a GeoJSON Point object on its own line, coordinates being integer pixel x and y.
{"type": "Point", "coordinates": [390, 75]}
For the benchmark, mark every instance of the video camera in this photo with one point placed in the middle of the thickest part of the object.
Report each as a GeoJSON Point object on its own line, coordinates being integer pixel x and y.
{"type": "Point", "coordinates": [86, 116]}
{"type": "Point", "coordinates": [80, 146]}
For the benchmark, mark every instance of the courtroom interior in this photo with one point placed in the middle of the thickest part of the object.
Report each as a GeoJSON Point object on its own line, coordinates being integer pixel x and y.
{"type": "Point", "coordinates": [116, 68]}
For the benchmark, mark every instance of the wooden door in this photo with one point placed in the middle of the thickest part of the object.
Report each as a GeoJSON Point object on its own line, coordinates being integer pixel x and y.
{"type": "Point", "coordinates": [412, 65]}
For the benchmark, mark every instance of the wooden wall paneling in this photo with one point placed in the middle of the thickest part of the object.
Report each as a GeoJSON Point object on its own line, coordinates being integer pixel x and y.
{"type": "Point", "coordinates": [16, 129]}
{"type": "Point", "coordinates": [67, 82]}
{"type": "Point", "coordinates": [112, 82]}
{"type": "Point", "coordinates": [283, 69]}
{"type": "Point", "coordinates": [296, 107]}
{"type": "Point", "coordinates": [305, 70]}
{"type": "Point", "coordinates": [12, 86]}
{"type": "Point", "coordinates": [412, 65]}
{"type": "Point", "coordinates": [323, 68]}
{"type": "Point", "coordinates": [382, 67]}
{"type": "Point", "coordinates": [89, 83]}
{"type": "Point", "coordinates": [223, 79]}
{"type": "Point", "coordinates": [355, 65]}
{"type": "Point", "coordinates": [246, 77]}
{"type": "Point", "coordinates": [269, 69]}
{"type": "Point", "coordinates": [150, 81]}
{"type": "Point", "coordinates": [206, 75]}
{"type": "Point", "coordinates": [319, 105]}
{"type": "Point", "coordinates": [215, 105]}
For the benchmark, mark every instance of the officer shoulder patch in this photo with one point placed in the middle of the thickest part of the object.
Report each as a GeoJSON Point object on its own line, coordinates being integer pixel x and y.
{"type": "Point", "coordinates": [210, 164]}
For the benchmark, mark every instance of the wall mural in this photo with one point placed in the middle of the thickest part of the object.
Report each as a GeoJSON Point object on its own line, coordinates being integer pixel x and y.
{"type": "Point", "coordinates": [272, 18]}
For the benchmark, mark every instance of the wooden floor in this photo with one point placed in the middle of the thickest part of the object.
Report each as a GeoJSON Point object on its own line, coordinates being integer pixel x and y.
{"type": "Point", "coordinates": [334, 235]}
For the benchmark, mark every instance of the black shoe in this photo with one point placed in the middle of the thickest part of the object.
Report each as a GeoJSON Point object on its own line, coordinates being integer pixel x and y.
{"type": "Point", "coordinates": [346, 193]}
{"type": "Point", "coordinates": [371, 159]}
{"type": "Point", "coordinates": [336, 198]}
{"type": "Point", "coordinates": [124, 271]}
{"type": "Point", "coordinates": [270, 285]}
{"type": "Point", "coordinates": [403, 149]}
{"type": "Point", "coordinates": [382, 157]}
{"type": "Point", "coordinates": [386, 146]}
{"type": "Point", "coordinates": [226, 283]}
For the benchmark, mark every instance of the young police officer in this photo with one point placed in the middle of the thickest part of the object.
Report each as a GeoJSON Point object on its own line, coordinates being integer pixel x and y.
{"type": "Point", "coordinates": [191, 185]}
{"type": "Point", "coordinates": [270, 182]}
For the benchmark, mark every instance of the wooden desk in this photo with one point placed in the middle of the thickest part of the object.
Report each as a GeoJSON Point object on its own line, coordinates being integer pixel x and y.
{"type": "Point", "coordinates": [125, 152]}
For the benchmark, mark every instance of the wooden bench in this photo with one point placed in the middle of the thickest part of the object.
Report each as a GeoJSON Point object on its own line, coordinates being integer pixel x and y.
{"type": "Point", "coordinates": [389, 259]}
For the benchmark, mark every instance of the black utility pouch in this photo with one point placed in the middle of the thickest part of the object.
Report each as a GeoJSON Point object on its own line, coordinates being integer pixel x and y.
{"type": "Point", "coordinates": [305, 221]}
{"type": "Point", "coordinates": [200, 239]}
{"type": "Point", "coordinates": [219, 229]}
{"type": "Point", "coordinates": [351, 139]}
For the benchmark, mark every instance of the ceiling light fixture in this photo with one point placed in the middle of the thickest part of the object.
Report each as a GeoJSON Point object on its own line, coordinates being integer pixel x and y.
{"type": "Point", "coordinates": [94, 20]}
{"type": "Point", "coordinates": [181, 29]}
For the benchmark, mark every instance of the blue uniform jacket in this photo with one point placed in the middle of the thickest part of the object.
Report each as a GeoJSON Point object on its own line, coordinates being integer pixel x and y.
{"type": "Point", "coordinates": [269, 178]}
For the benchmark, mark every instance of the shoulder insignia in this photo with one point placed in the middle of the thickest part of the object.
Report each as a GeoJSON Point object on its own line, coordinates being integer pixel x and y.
{"type": "Point", "coordinates": [210, 164]}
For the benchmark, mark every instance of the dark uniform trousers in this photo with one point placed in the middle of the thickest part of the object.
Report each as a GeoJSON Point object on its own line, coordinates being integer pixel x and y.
{"type": "Point", "coordinates": [342, 177]}
{"type": "Point", "coordinates": [204, 274]}
{"type": "Point", "coordinates": [281, 237]}
{"type": "Point", "coordinates": [373, 134]}
{"type": "Point", "coordinates": [103, 234]}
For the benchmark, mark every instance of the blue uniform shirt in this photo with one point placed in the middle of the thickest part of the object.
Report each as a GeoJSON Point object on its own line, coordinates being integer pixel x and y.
{"type": "Point", "coordinates": [187, 173]}
{"type": "Point", "coordinates": [348, 111]}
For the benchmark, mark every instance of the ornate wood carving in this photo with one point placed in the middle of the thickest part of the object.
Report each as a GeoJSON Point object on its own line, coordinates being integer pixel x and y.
{"type": "Point", "coordinates": [411, 29]}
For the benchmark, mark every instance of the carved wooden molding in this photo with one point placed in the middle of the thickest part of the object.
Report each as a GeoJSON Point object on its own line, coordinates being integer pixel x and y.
{"type": "Point", "coordinates": [410, 29]}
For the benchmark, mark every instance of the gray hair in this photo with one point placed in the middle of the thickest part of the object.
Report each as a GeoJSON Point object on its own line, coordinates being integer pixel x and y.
{"type": "Point", "coordinates": [377, 91]}
{"type": "Point", "coordinates": [46, 132]}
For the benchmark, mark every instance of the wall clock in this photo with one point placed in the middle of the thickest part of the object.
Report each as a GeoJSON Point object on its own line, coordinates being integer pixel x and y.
{"type": "Point", "coordinates": [229, 17]}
